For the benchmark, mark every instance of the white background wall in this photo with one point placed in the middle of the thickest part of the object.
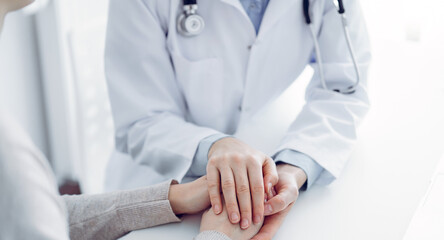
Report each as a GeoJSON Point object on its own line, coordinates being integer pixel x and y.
{"type": "Point", "coordinates": [20, 82]}
{"type": "Point", "coordinates": [52, 82]}
{"type": "Point", "coordinates": [72, 39]}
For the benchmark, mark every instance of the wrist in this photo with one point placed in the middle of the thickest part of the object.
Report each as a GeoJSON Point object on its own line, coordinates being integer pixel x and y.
{"type": "Point", "coordinates": [217, 143]}
{"type": "Point", "coordinates": [176, 198]}
{"type": "Point", "coordinates": [189, 198]}
{"type": "Point", "coordinates": [299, 175]}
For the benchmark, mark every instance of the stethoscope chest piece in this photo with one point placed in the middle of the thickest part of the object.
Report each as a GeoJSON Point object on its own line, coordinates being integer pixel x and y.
{"type": "Point", "coordinates": [189, 24]}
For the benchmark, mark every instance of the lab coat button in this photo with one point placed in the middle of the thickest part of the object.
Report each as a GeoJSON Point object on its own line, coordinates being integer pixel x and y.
{"type": "Point", "coordinates": [249, 47]}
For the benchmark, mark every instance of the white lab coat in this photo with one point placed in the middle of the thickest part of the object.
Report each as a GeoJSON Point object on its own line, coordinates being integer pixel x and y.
{"type": "Point", "coordinates": [168, 92]}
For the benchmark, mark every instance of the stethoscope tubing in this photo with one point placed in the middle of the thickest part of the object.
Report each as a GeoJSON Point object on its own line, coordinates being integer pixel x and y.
{"type": "Point", "coordinates": [191, 5]}
{"type": "Point", "coordinates": [341, 10]}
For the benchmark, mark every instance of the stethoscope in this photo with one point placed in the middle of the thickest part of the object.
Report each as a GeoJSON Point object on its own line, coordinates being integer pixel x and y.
{"type": "Point", "coordinates": [190, 24]}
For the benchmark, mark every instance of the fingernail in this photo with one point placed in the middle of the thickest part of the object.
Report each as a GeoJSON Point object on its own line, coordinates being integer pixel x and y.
{"type": "Point", "coordinates": [257, 220]}
{"type": "Point", "coordinates": [269, 187]}
{"type": "Point", "coordinates": [234, 217]}
{"type": "Point", "coordinates": [244, 224]}
{"type": "Point", "coordinates": [268, 209]}
{"type": "Point", "coordinates": [217, 208]}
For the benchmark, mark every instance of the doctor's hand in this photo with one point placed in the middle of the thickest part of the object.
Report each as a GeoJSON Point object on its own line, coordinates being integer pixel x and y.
{"type": "Point", "coordinates": [220, 223]}
{"type": "Point", "coordinates": [189, 198]}
{"type": "Point", "coordinates": [286, 191]}
{"type": "Point", "coordinates": [241, 172]}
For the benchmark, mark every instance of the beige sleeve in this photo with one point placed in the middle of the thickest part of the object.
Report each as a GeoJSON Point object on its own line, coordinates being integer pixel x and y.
{"type": "Point", "coordinates": [112, 215]}
{"type": "Point", "coordinates": [211, 235]}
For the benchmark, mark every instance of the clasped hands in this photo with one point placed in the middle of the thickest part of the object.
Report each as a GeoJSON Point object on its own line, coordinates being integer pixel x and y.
{"type": "Point", "coordinates": [249, 195]}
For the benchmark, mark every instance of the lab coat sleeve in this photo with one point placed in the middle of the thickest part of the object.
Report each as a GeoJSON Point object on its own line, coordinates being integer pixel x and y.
{"type": "Point", "coordinates": [148, 106]}
{"type": "Point", "coordinates": [200, 160]}
{"type": "Point", "coordinates": [326, 128]}
{"type": "Point", "coordinates": [311, 168]}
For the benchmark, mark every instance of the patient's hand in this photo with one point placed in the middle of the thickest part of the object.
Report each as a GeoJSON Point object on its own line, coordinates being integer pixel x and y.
{"type": "Point", "coordinates": [190, 197]}
{"type": "Point", "coordinates": [221, 223]}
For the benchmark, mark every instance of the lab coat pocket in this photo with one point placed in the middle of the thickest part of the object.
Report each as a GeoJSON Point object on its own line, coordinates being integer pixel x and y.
{"type": "Point", "coordinates": [201, 83]}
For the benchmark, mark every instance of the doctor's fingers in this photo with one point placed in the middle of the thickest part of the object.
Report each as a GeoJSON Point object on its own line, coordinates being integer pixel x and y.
{"type": "Point", "coordinates": [271, 225]}
{"type": "Point", "coordinates": [243, 195]}
{"type": "Point", "coordinates": [287, 195]}
{"type": "Point", "coordinates": [271, 177]}
{"type": "Point", "coordinates": [213, 181]}
{"type": "Point", "coordinates": [229, 193]}
{"type": "Point", "coordinates": [257, 191]}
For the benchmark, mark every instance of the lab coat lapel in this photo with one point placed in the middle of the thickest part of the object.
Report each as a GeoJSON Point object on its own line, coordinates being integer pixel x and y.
{"type": "Point", "coordinates": [237, 5]}
{"type": "Point", "coordinates": [275, 10]}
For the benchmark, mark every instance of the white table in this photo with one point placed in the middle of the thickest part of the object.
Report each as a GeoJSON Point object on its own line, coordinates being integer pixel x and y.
{"type": "Point", "coordinates": [400, 142]}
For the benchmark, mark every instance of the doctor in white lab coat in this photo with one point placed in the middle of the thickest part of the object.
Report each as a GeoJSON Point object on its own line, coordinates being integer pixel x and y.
{"type": "Point", "coordinates": [177, 100]}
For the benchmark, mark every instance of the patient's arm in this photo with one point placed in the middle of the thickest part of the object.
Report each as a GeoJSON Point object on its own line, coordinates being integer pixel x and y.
{"type": "Point", "coordinates": [112, 215]}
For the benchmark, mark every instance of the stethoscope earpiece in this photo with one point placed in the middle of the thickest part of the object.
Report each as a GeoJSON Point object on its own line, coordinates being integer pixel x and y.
{"type": "Point", "coordinates": [350, 90]}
